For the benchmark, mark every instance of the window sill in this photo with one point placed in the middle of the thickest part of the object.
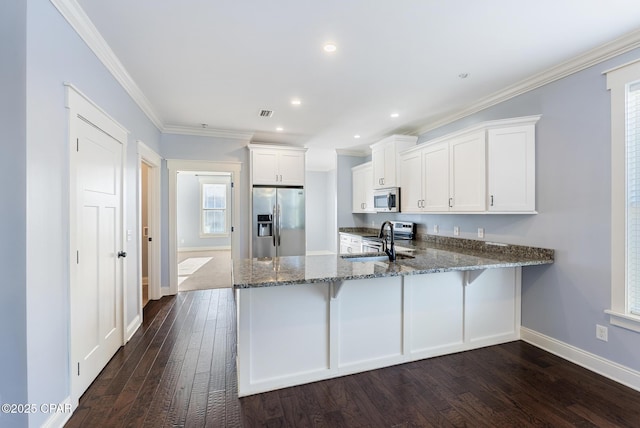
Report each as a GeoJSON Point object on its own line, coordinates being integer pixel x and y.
{"type": "Point", "coordinates": [219, 235]}
{"type": "Point", "coordinates": [630, 322]}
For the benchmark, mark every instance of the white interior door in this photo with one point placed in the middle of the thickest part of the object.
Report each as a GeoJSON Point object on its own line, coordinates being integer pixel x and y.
{"type": "Point", "coordinates": [96, 294]}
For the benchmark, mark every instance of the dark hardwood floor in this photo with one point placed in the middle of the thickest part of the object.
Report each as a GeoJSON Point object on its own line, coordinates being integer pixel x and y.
{"type": "Point", "coordinates": [179, 370]}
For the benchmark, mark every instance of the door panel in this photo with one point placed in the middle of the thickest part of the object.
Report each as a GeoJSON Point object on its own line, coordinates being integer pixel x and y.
{"type": "Point", "coordinates": [96, 296]}
{"type": "Point", "coordinates": [264, 202]}
{"type": "Point", "coordinates": [291, 222]}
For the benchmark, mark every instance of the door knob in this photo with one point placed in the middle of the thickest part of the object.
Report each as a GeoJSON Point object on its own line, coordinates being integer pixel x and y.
{"type": "Point", "coordinates": [122, 254]}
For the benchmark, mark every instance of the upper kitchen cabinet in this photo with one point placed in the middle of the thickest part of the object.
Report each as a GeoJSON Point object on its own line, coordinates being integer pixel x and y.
{"type": "Point", "coordinates": [511, 165]}
{"type": "Point", "coordinates": [467, 182]}
{"type": "Point", "coordinates": [362, 176]}
{"type": "Point", "coordinates": [487, 168]}
{"type": "Point", "coordinates": [384, 159]}
{"type": "Point", "coordinates": [277, 165]}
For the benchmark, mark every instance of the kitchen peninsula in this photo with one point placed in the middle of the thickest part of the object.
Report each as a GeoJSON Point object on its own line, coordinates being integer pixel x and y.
{"type": "Point", "coordinates": [308, 318]}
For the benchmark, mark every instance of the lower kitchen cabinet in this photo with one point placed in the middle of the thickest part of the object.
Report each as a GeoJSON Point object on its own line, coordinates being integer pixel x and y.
{"type": "Point", "coordinates": [350, 244]}
{"type": "Point", "coordinates": [299, 333]}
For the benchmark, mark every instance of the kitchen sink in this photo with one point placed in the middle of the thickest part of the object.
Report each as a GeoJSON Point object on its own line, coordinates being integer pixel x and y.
{"type": "Point", "coordinates": [374, 257]}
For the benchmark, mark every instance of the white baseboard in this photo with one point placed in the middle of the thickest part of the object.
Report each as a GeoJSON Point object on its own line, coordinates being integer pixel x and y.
{"type": "Point", "coordinates": [59, 413]}
{"type": "Point", "coordinates": [595, 363]}
{"type": "Point", "coordinates": [190, 249]}
{"type": "Point", "coordinates": [133, 327]}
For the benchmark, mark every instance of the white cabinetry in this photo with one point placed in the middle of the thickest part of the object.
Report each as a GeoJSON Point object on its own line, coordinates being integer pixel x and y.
{"type": "Point", "coordinates": [511, 169]}
{"type": "Point", "coordinates": [278, 166]}
{"type": "Point", "coordinates": [447, 176]}
{"type": "Point", "coordinates": [489, 168]}
{"type": "Point", "coordinates": [350, 244]}
{"type": "Point", "coordinates": [467, 188]}
{"type": "Point", "coordinates": [435, 167]}
{"type": "Point", "coordinates": [384, 159]}
{"type": "Point", "coordinates": [362, 177]}
{"type": "Point", "coordinates": [294, 334]}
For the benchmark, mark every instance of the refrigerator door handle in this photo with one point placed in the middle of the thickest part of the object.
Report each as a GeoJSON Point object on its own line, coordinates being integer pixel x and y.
{"type": "Point", "coordinates": [274, 230]}
{"type": "Point", "coordinates": [279, 224]}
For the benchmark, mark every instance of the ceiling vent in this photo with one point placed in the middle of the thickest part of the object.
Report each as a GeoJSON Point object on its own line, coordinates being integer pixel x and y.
{"type": "Point", "coordinates": [265, 113]}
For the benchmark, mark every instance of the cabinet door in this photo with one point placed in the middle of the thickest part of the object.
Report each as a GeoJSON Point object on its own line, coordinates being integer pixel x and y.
{"type": "Point", "coordinates": [435, 177]}
{"type": "Point", "coordinates": [378, 161]}
{"type": "Point", "coordinates": [367, 189]}
{"type": "Point", "coordinates": [389, 179]}
{"type": "Point", "coordinates": [410, 172]}
{"type": "Point", "coordinates": [357, 186]}
{"type": "Point", "coordinates": [467, 178]}
{"type": "Point", "coordinates": [291, 168]}
{"type": "Point", "coordinates": [511, 169]}
{"type": "Point", "coordinates": [264, 165]}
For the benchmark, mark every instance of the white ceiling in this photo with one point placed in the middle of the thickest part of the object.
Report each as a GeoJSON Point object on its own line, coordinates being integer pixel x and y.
{"type": "Point", "coordinates": [220, 61]}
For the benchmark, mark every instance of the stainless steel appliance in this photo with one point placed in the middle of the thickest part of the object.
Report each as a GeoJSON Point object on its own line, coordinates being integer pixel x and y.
{"type": "Point", "coordinates": [403, 232]}
{"type": "Point", "coordinates": [278, 222]}
{"type": "Point", "coordinates": [387, 200]}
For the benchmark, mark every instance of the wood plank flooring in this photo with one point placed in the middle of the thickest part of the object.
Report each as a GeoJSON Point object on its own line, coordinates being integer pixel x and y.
{"type": "Point", "coordinates": [179, 371]}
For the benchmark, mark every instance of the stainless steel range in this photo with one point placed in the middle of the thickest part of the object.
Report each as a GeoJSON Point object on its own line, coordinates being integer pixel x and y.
{"type": "Point", "coordinates": [402, 231]}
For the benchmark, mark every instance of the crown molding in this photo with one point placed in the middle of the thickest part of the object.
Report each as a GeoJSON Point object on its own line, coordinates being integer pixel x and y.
{"type": "Point", "coordinates": [80, 22]}
{"type": "Point", "coordinates": [349, 152]}
{"type": "Point", "coordinates": [207, 132]}
{"type": "Point", "coordinates": [595, 56]}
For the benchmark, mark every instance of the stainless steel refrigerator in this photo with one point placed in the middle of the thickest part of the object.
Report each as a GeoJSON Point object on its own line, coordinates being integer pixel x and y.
{"type": "Point", "coordinates": [278, 222]}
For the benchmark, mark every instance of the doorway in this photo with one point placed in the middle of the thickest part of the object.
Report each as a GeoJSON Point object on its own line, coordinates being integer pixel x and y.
{"type": "Point", "coordinates": [204, 212]}
{"type": "Point", "coordinates": [202, 171]}
{"type": "Point", "coordinates": [149, 221]}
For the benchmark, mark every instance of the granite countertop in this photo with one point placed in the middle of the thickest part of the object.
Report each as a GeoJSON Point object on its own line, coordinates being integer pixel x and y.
{"type": "Point", "coordinates": [431, 254]}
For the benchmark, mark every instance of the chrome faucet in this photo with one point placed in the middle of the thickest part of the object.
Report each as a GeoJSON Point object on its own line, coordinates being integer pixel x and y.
{"type": "Point", "coordinates": [390, 250]}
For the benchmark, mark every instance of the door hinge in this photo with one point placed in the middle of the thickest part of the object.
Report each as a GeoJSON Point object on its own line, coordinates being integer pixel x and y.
{"type": "Point", "coordinates": [232, 184]}
{"type": "Point", "coordinates": [78, 257]}
{"type": "Point", "coordinates": [77, 144]}
{"type": "Point", "coordinates": [232, 228]}
{"type": "Point", "coordinates": [78, 369]}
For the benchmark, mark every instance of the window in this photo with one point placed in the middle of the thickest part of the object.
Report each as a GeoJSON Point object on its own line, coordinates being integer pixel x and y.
{"type": "Point", "coordinates": [213, 203]}
{"type": "Point", "coordinates": [624, 84]}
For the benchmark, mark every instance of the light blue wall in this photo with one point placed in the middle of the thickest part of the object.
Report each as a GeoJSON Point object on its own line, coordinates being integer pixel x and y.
{"type": "Point", "coordinates": [56, 54]}
{"type": "Point", "coordinates": [13, 228]}
{"type": "Point", "coordinates": [573, 196]}
{"type": "Point", "coordinates": [188, 221]}
{"type": "Point", "coordinates": [320, 210]}
{"type": "Point", "coordinates": [344, 190]}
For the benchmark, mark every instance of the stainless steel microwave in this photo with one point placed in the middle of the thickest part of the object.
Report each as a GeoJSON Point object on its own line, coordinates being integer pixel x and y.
{"type": "Point", "coordinates": [387, 200]}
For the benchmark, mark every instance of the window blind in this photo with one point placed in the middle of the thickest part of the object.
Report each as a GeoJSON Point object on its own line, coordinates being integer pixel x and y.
{"type": "Point", "coordinates": [633, 197]}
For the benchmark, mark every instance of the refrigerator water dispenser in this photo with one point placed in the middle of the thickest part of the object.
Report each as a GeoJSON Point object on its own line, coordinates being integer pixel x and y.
{"type": "Point", "coordinates": [265, 225]}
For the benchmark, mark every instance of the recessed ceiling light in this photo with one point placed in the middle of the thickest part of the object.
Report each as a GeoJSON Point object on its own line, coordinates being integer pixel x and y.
{"type": "Point", "coordinates": [330, 47]}
{"type": "Point", "coordinates": [463, 75]}
{"type": "Point", "coordinates": [394, 115]}
{"type": "Point", "coordinates": [279, 129]}
{"type": "Point", "coordinates": [296, 102]}
{"type": "Point", "coordinates": [356, 136]}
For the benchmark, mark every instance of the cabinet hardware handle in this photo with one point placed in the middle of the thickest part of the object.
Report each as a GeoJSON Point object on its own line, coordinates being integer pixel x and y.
{"type": "Point", "coordinates": [491, 200]}
{"type": "Point", "coordinates": [450, 201]}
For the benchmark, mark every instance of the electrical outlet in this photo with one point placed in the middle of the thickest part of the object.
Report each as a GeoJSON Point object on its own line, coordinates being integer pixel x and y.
{"type": "Point", "coordinates": [436, 229]}
{"type": "Point", "coordinates": [456, 230]}
{"type": "Point", "coordinates": [480, 232]}
{"type": "Point", "coordinates": [602, 333]}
